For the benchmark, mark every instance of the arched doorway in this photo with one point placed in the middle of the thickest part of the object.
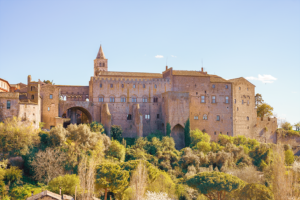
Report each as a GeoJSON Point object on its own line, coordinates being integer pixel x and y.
{"type": "Point", "coordinates": [178, 136]}
{"type": "Point", "coordinates": [77, 115]}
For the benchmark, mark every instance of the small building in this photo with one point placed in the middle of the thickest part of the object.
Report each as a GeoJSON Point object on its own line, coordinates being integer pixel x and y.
{"type": "Point", "coordinates": [47, 195]}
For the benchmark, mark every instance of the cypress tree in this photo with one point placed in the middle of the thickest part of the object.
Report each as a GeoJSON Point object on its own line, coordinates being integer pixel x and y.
{"type": "Point", "coordinates": [187, 136]}
{"type": "Point", "coordinates": [168, 130]}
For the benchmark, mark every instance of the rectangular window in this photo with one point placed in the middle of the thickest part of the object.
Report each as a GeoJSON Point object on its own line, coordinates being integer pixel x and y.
{"type": "Point", "coordinates": [218, 117]}
{"type": "Point", "coordinates": [226, 99]}
{"type": "Point", "coordinates": [227, 133]}
{"type": "Point", "coordinates": [101, 99]}
{"type": "Point", "coordinates": [8, 104]}
{"type": "Point", "coordinates": [226, 86]}
{"type": "Point", "coordinates": [242, 102]}
{"type": "Point", "coordinates": [51, 96]}
{"type": "Point", "coordinates": [111, 85]}
{"type": "Point", "coordinates": [202, 99]}
{"type": "Point", "coordinates": [147, 116]}
{"type": "Point", "coordinates": [100, 85]}
{"type": "Point", "coordinates": [155, 99]}
{"type": "Point", "coordinates": [129, 117]}
{"type": "Point", "coordinates": [215, 133]}
{"type": "Point", "coordinates": [235, 101]}
{"type": "Point", "coordinates": [48, 108]}
{"type": "Point", "coordinates": [213, 100]}
{"type": "Point", "coordinates": [157, 116]}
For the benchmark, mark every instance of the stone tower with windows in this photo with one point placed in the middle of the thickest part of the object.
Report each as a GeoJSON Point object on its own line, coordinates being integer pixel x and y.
{"type": "Point", "coordinates": [100, 63]}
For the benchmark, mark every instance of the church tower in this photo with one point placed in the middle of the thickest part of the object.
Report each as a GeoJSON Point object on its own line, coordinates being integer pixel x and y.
{"type": "Point", "coordinates": [100, 63]}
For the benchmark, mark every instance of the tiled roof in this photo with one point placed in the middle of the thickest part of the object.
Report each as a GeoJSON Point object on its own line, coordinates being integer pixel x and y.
{"type": "Point", "coordinates": [131, 74]}
{"type": "Point", "coordinates": [218, 79]}
{"type": "Point", "coordinates": [49, 194]}
{"type": "Point", "coordinates": [239, 79]}
{"type": "Point", "coordinates": [188, 73]}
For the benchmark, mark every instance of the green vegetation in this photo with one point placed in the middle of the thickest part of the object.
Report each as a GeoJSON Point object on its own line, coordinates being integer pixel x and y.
{"type": "Point", "coordinates": [83, 158]}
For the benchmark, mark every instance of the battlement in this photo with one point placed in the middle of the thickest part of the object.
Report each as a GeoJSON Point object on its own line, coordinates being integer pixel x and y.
{"type": "Point", "coordinates": [131, 80]}
{"type": "Point", "coordinates": [265, 119]}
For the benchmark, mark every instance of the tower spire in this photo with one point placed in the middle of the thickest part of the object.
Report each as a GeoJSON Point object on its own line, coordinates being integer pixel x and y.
{"type": "Point", "coordinates": [100, 54]}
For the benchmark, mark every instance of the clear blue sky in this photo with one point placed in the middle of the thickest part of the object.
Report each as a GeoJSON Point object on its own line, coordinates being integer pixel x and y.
{"type": "Point", "coordinates": [58, 40]}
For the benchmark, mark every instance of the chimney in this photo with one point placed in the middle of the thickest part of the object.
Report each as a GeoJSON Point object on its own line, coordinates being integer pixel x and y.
{"type": "Point", "coordinates": [201, 69]}
{"type": "Point", "coordinates": [166, 67]}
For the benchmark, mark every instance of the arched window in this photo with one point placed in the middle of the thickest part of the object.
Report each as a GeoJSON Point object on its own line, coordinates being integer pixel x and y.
{"type": "Point", "coordinates": [100, 64]}
{"type": "Point", "coordinates": [122, 85]}
{"type": "Point", "coordinates": [145, 99]}
{"type": "Point", "coordinates": [103, 64]}
{"type": "Point", "coordinates": [133, 85]}
{"type": "Point", "coordinates": [101, 98]}
{"type": "Point", "coordinates": [226, 99]}
{"type": "Point", "coordinates": [205, 117]}
{"type": "Point", "coordinates": [100, 85]}
{"type": "Point", "coordinates": [129, 117]}
{"type": "Point", "coordinates": [123, 99]}
{"type": "Point", "coordinates": [213, 86]}
{"type": "Point", "coordinates": [112, 99]}
{"type": "Point", "coordinates": [226, 86]}
{"type": "Point", "coordinates": [111, 85]}
{"type": "Point", "coordinates": [242, 102]}
{"type": "Point", "coordinates": [134, 99]}
{"type": "Point", "coordinates": [155, 99]}
{"type": "Point", "coordinates": [144, 86]}
{"type": "Point", "coordinates": [218, 117]}
{"type": "Point", "coordinates": [213, 100]}
{"type": "Point", "coordinates": [32, 96]}
{"type": "Point", "coordinates": [155, 86]}
{"type": "Point", "coordinates": [247, 118]}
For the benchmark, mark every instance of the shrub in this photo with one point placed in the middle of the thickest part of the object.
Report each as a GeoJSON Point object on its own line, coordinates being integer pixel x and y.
{"type": "Point", "coordinates": [116, 151]}
{"type": "Point", "coordinates": [67, 184]}
{"type": "Point", "coordinates": [289, 157]}
{"type": "Point", "coordinates": [116, 132]}
{"type": "Point", "coordinates": [97, 127]}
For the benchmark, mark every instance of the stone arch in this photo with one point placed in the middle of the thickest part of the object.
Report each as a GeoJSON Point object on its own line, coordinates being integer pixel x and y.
{"type": "Point", "coordinates": [178, 135]}
{"type": "Point", "coordinates": [77, 115]}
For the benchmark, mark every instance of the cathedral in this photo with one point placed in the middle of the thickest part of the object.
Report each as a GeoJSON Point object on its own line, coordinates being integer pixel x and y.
{"type": "Point", "coordinates": [142, 103]}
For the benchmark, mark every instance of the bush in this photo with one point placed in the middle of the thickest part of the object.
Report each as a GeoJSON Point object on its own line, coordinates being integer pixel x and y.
{"type": "Point", "coordinates": [289, 157]}
{"type": "Point", "coordinates": [158, 134]}
{"type": "Point", "coordinates": [67, 184]}
{"type": "Point", "coordinates": [116, 151]}
{"type": "Point", "coordinates": [198, 136]}
{"type": "Point", "coordinates": [97, 127]}
{"type": "Point", "coordinates": [116, 132]}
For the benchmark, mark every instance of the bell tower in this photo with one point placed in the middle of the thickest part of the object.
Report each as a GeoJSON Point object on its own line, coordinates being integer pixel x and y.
{"type": "Point", "coordinates": [100, 63]}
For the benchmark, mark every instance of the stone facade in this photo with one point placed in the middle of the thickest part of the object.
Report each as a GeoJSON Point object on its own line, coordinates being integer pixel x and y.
{"type": "Point", "coordinates": [142, 103]}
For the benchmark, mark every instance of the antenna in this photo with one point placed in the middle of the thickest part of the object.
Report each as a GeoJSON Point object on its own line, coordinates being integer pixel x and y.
{"type": "Point", "coordinates": [167, 61]}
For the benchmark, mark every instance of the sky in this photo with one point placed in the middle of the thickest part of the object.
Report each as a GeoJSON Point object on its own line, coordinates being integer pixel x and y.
{"type": "Point", "coordinates": [58, 40]}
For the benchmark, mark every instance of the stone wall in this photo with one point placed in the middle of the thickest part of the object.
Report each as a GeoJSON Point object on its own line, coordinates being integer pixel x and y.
{"type": "Point", "coordinates": [244, 112]}
{"type": "Point", "coordinates": [74, 93]}
{"type": "Point", "coordinates": [14, 105]}
{"type": "Point", "coordinates": [264, 130]}
{"type": "Point", "coordinates": [50, 106]}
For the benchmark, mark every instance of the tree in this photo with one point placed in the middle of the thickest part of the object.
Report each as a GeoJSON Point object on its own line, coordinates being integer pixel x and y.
{"type": "Point", "coordinates": [289, 157]}
{"type": "Point", "coordinates": [117, 151]}
{"type": "Point", "coordinates": [96, 127]}
{"type": "Point", "coordinates": [198, 136]}
{"type": "Point", "coordinates": [297, 125]}
{"type": "Point", "coordinates": [17, 137]}
{"type": "Point", "coordinates": [187, 136]}
{"type": "Point", "coordinates": [116, 132]}
{"type": "Point", "coordinates": [254, 191]}
{"type": "Point", "coordinates": [168, 129]}
{"type": "Point", "coordinates": [286, 126]}
{"type": "Point", "coordinates": [48, 164]}
{"type": "Point", "coordinates": [138, 181]}
{"type": "Point", "coordinates": [203, 146]}
{"type": "Point", "coordinates": [214, 185]}
{"type": "Point", "coordinates": [111, 177]}
{"type": "Point", "coordinates": [67, 183]}
{"type": "Point", "coordinates": [258, 99]}
{"type": "Point", "coordinates": [13, 175]}
{"type": "Point", "coordinates": [58, 136]}
{"type": "Point", "coordinates": [48, 82]}
{"type": "Point", "coordinates": [264, 110]}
